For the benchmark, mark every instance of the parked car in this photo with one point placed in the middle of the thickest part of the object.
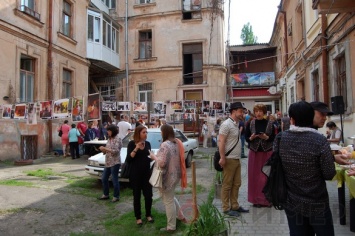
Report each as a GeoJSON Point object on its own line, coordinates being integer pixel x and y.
{"type": "Point", "coordinates": [96, 163]}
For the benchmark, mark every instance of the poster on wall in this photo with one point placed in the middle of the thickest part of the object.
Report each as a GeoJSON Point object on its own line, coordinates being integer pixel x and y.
{"type": "Point", "coordinates": [77, 110]}
{"type": "Point", "coordinates": [189, 106]}
{"type": "Point", "coordinates": [199, 107]}
{"type": "Point", "coordinates": [206, 107]}
{"type": "Point", "coordinates": [20, 111]}
{"type": "Point", "coordinates": [159, 108]}
{"type": "Point", "coordinates": [109, 106]}
{"type": "Point", "coordinates": [139, 106]}
{"type": "Point", "coordinates": [93, 108]}
{"type": "Point", "coordinates": [61, 108]}
{"type": "Point", "coordinates": [176, 106]}
{"type": "Point", "coordinates": [45, 110]}
{"type": "Point", "coordinates": [143, 118]}
{"type": "Point", "coordinates": [31, 114]}
{"type": "Point", "coordinates": [226, 108]}
{"type": "Point", "coordinates": [218, 107]}
{"type": "Point", "coordinates": [123, 106]}
{"type": "Point", "coordinates": [6, 111]}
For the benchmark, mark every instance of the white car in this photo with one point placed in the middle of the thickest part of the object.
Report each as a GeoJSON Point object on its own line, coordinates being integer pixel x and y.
{"type": "Point", "coordinates": [96, 163]}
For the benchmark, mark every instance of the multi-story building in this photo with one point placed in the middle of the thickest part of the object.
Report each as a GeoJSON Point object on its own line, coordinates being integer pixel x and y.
{"type": "Point", "coordinates": [43, 57]}
{"type": "Point", "coordinates": [175, 50]}
{"type": "Point", "coordinates": [315, 50]}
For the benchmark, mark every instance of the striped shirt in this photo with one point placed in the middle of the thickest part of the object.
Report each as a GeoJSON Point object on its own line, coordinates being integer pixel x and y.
{"type": "Point", "coordinates": [230, 129]}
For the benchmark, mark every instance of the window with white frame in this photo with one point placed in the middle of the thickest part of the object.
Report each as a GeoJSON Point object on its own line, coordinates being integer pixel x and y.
{"type": "Point", "coordinates": [145, 1]}
{"type": "Point", "coordinates": [316, 85]}
{"type": "Point", "coordinates": [29, 7]}
{"type": "Point", "coordinates": [341, 88]}
{"type": "Point", "coordinates": [110, 35]}
{"type": "Point", "coordinates": [145, 44]}
{"type": "Point", "coordinates": [145, 94]}
{"type": "Point", "coordinates": [109, 3]}
{"type": "Point", "coordinates": [107, 91]}
{"type": "Point", "coordinates": [28, 3]}
{"type": "Point", "coordinates": [67, 18]}
{"type": "Point", "coordinates": [94, 30]}
{"type": "Point", "coordinates": [27, 79]}
{"type": "Point", "coordinates": [67, 84]}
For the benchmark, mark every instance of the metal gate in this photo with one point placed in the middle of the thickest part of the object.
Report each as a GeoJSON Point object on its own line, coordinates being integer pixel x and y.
{"type": "Point", "coordinates": [28, 147]}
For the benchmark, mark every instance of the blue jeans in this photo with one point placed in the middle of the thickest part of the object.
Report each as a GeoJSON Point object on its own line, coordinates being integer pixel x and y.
{"type": "Point", "coordinates": [242, 139]}
{"type": "Point", "coordinates": [320, 225]}
{"type": "Point", "coordinates": [113, 171]}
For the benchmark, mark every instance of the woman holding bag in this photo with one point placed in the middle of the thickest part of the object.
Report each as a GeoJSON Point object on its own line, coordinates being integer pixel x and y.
{"type": "Point", "coordinates": [170, 158]}
{"type": "Point", "coordinates": [137, 156]}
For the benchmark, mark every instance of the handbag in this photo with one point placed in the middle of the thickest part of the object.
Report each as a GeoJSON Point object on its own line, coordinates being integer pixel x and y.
{"type": "Point", "coordinates": [275, 189]}
{"type": "Point", "coordinates": [217, 157]}
{"type": "Point", "coordinates": [60, 133]}
{"type": "Point", "coordinates": [126, 170]}
{"type": "Point", "coordinates": [156, 179]}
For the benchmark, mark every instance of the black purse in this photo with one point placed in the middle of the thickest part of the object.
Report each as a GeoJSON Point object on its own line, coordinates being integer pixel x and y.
{"type": "Point", "coordinates": [125, 170]}
{"type": "Point", "coordinates": [275, 189]}
{"type": "Point", "coordinates": [60, 133]}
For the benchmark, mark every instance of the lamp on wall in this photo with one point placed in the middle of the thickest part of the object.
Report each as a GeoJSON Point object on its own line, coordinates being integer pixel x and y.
{"type": "Point", "coordinates": [5, 98]}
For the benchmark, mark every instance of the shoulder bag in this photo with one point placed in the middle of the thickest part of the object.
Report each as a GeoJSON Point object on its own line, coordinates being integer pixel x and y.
{"type": "Point", "coordinates": [60, 133]}
{"type": "Point", "coordinates": [156, 179]}
{"type": "Point", "coordinates": [217, 157]}
{"type": "Point", "coordinates": [126, 170]}
{"type": "Point", "coordinates": [275, 189]}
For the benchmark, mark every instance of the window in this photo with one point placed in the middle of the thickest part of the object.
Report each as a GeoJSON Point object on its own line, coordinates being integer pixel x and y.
{"type": "Point", "coordinates": [341, 87]}
{"type": "Point", "coordinates": [27, 77]}
{"type": "Point", "coordinates": [66, 18]}
{"type": "Point", "coordinates": [67, 84]}
{"type": "Point", "coordinates": [110, 35]}
{"type": "Point", "coordinates": [192, 63]}
{"type": "Point", "coordinates": [145, 44]}
{"type": "Point", "coordinates": [110, 3]}
{"type": "Point", "coordinates": [28, 6]}
{"type": "Point", "coordinates": [93, 28]}
{"type": "Point", "coordinates": [145, 94]}
{"type": "Point", "coordinates": [107, 91]}
{"type": "Point", "coordinates": [145, 1]}
{"type": "Point", "coordinates": [292, 95]}
{"type": "Point", "coordinates": [191, 9]}
{"type": "Point", "coordinates": [315, 82]}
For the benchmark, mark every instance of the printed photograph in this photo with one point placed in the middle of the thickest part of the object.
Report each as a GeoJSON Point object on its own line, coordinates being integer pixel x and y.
{"type": "Point", "coordinates": [31, 114]}
{"type": "Point", "coordinates": [123, 106]}
{"type": "Point", "coordinates": [109, 106]}
{"type": "Point", "coordinates": [45, 110]}
{"type": "Point", "coordinates": [20, 111]}
{"type": "Point", "coordinates": [6, 111]}
{"type": "Point", "coordinates": [61, 108]}
{"type": "Point", "coordinates": [93, 108]}
{"type": "Point", "coordinates": [77, 109]}
{"type": "Point", "coordinates": [139, 106]}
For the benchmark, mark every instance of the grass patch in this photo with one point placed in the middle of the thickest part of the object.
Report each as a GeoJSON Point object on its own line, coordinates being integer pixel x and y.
{"type": "Point", "coordinates": [188, 190]}
{"type": "Point", "coordinates": [41, 173]}
{"type": "Point", "coordinates": [13, 182]}
{"type": "Point", "coordinates": [7, 162]}
{"type": "Point", "coordinates": [21, 210]}
{"type": "Point", "coordinates": [126, 225]}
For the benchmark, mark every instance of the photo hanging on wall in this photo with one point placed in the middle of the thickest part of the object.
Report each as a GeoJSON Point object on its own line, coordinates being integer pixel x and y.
{"type": "Point", "coordinates": [20, 111]}
{"type": "Point", "coordinates": [77, 109]}
{"type": "Point", "coordinates": [176, 106]}
{"type": "Point", "coordinates": [45, 110]}
{"type": "Point", "coordinates": [109, 106]}
{"type": "Point", "coordinates": [159, 108]}
{"type": "Point", "coordinates": [6, 111]}
{"type": "Point", "coordinates": [31, 114]}
{"type": "Point", "coordinates": [93, 108]}
{"type": "Point", "coordinates": [61, 108]}
{"type": "Point", "coordinates": [139, 106]}
{"type": "Point", "coordinates": [123, 106]}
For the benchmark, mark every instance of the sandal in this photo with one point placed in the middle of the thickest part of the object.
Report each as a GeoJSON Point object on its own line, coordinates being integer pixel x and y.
{"type": "Point", "coordinates": [103, 197]}
{"type": "Point", "coordinates": [139, 223]}
{"type": "Point", "coordinates": [115, 199]}
{"type": "Point", "coordinates": [150, 219]}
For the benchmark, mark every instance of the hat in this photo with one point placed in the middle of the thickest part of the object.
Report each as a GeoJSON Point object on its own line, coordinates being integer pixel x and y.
{"type": "Point", "coordinates": [236, 105]}
{"type": "Point", "coordinates": [321, 107]}
{"type": "Point", "coordinates": [104, 124]}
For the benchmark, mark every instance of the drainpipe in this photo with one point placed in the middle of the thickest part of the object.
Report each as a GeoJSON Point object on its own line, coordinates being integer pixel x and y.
{"type": "Point", "coordinates": [325, 59]}
{"type": "Point", "coordinates": [126, 51]}
{"type": "Point", "coordinates": [50, 70]}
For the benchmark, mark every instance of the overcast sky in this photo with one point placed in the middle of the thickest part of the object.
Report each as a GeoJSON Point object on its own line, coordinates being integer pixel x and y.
{"type": "Point", "coordinates": [260, 13]}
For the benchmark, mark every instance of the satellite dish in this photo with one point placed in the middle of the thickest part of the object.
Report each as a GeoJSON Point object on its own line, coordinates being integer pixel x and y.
{"type": "Point", "coordinates": [272, 90]}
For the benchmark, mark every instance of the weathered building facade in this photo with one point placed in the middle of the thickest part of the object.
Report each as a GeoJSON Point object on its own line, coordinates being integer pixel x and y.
{"type": "Point", "coordinates": [43, 57]}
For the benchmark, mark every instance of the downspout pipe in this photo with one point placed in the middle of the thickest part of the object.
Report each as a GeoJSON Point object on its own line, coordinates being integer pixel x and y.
{"type": "Point", "coordinates": [325, 59]}
{"type": "Point", "coordinates": [50, 69]}
{"type": "Point", "coordinates": [126, 53]}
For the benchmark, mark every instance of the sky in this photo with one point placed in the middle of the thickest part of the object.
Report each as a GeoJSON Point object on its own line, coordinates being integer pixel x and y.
{"type": "Point", "coordinates": [260, 13]}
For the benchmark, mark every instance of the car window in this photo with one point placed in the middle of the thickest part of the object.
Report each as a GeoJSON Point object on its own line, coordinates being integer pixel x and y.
{"type": "Point", "coordinates": [153, 137]}
{"type": "Point", "coordinates": [180, 136]}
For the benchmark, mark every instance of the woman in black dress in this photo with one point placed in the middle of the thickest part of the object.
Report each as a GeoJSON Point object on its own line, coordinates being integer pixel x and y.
{"type": "Point", "coordinates": [137, 155]}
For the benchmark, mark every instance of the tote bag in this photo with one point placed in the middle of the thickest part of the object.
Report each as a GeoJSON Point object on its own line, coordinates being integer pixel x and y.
{"type": "Point", "coordinates": [156, 179]}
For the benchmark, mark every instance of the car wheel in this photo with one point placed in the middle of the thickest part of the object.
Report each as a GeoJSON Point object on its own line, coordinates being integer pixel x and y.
{"type": "Point", "coordinates": [188, 160]}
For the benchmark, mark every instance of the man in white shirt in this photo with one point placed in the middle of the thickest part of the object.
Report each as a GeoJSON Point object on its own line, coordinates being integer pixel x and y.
{"type": "Point", "coordinates": [123, 126]}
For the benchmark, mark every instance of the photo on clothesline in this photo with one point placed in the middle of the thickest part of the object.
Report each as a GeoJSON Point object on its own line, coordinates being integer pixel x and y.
{"type": "Point", "coordinates": [139, 106]}
{"type": "Point", "coordinates": [31, 114]}
{"type": "Point", "coordinates": [188, 116]}
{"type": "Point", "coordinates": [61, 108]}
{"type": "Point", "coordinates": [93, 109]}
{"type": "Point", "coordinates": [189, 104]}
{"type": "Point", "coordinates": [198, 107]}
{"type": "Point", "coordinates": [45, 110]}
{"type": "Point", "coordinates": [159, 107]}
{"type": "Point", "coordinates": [190, 111]}
{"type": "Point", "coordinates": [6, 111]}
{"type": "Point", "coordinates": [123, 106]}
{"type": "Point", "coordinates": [20, 111]}
{"type": "Point", "coordinates": [109, 106]}
{"type": "Point", "coordinates": [77, 108]}
{"type": "Point", "coordinates": [176, 106]}
{"type": "Point", "coordinates": [206, 106]}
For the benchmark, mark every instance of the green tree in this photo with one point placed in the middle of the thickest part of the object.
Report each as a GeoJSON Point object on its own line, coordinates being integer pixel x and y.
{"type": "Point", "coordinates": [247, 35]}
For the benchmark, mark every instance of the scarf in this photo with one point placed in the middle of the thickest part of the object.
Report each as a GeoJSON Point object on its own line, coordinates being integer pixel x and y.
{"type": "Point", "coordinates": [182, 164]}
{"type": "Point", "coordinates": [294, 128]}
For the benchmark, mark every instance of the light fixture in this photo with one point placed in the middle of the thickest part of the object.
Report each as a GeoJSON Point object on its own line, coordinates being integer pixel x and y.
{"type": "Point", "coordinates": [6, 98]}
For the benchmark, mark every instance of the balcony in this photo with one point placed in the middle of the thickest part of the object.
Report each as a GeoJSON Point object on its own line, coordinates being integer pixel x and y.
{"type": "Point", "coordinates": [333, 6]}
{"type": "Point", "coordinates": [102, 56]}
{"type": "Point", "coordinates": [30, 12]}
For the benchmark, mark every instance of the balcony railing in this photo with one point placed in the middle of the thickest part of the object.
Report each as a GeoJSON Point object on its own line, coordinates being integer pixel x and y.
{"type": "Point", "coordinates": [30, 12]}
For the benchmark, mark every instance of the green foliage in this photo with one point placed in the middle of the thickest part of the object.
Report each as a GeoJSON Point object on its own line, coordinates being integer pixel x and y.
{"type": "Point", "coordinates": [13, 182]}
{"type": "Point", "coordinates": [209, 222]}
{"type": "Point", "coordinates": [247, 35]}
{"type": "Point", "coordinates": [41, 173]}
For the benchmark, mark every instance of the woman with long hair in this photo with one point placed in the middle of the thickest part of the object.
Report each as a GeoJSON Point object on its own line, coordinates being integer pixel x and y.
{"type": "Point", "coordinates": [260, 135]}
{"type": "Point", "coordinates": [65, 128]}
{"type": "Point", "coordinates": [138, 157]}
{"type": "Point", "coordinates": [169, 158]}
{"type": "Point", "coordinates": [112, 163]}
